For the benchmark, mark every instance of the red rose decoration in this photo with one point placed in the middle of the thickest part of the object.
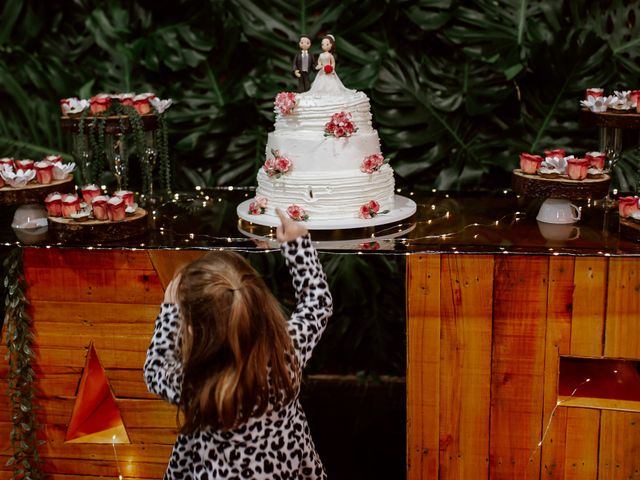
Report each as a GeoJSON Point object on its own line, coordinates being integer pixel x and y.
{"type": "Point", "coordinates": [628, 206]}
{"type": "Point", "coordinates": [577, 168]}
{"type": "Point", "coordinates": [328, 69]}
{"type": "Point", "coordinates": [530, 163]}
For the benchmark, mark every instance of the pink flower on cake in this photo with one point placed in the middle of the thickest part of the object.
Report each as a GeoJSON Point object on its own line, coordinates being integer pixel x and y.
{"type": "Point", "coordinates": [340, 125]}
{"type": "Point", "coordinates": [285, 102]}
{"type": "Point", "coordinates": [577, 168]}
{"type": "Point", "coordinates": [100, 103]}
{"type": "Point", "coordinates": [628, 206]}
{"type": "Point", "coordinates": [7, 161]}
{"type": "Point", "coordinates": [53, 158]}
{"type": "Point", "coordinates": [53, 203]}
{"type": "Point", "coordinates": [116, 209]}
{"type": "Point", "coordinates": [258, 206]}
{"type": "Point", "coordinates": [125, 195]}
{"type": "Point", "coordinates": [530, 163]}
{"type": "Point", "coordinates": [278, 165]}
{"type": "Point", "coordinates": [297, 213]}
{"type": "Point", "coordinates": [596, 159]}
{"type": "Point", "coordinates": [371, 209]}
{"type": "Point", "coordinates": [372, 163]}
{"type": "Point", "coordinates": [44, 172]}
{"type": "Point", "coordinates": [25, 164]}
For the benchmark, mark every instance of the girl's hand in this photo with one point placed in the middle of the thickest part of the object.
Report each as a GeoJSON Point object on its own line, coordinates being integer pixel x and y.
{"type": "Point", "coordinates": [171, 292]}
{"type": "Point", "coordinates": [289, 229]}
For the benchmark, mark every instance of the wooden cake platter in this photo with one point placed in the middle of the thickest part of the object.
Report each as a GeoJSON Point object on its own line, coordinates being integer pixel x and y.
{"type": "Point", "coordinates": [612, 118]}
{"type": "Point", "coordinates": [112, 125]}
{"type": "Point", "coordinates": [33, 192]}
{"type": "Point", "coordinates": [537, 186]}
{"type": "Point", "coordinates": [69, 230]}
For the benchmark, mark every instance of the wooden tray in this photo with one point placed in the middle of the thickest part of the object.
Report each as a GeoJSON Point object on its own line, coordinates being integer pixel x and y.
{"type": "Point", "coordinates": [629, 230]}
{"type": "Point", "coordinates": [540, 187]}
{"type": "Point", "coordinates": [612, 118]}
{"type": "Point", "coordinates": [33, 192]}
{"type": "Point", "coordinates": [113, 124]}
{"type": "Point", "coordinates": [96, 231]}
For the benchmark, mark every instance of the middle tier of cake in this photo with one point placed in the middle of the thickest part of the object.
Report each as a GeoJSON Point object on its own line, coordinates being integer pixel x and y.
{"type": "Point", "coordinates": [328, 194]}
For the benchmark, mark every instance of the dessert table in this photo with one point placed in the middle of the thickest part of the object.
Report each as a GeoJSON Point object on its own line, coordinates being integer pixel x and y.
{"type": "Point", "coordinates": [499, 308]}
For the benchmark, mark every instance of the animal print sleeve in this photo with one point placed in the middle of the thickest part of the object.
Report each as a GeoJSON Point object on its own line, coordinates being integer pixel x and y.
{"type": "Point", "coordinates": [314, 303]}
{"type": "Point", "coordinates": [163, 367]}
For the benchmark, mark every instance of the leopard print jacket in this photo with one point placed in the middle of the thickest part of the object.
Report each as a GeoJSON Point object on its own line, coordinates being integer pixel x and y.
{"type": "Point", "coordinates": [275, 446]}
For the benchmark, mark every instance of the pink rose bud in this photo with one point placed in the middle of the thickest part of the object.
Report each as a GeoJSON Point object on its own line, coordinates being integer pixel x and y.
{"type": "Point", "coordinates": [70, 204]}
{"type": "Point", "coordinates": [53, 158]}
{"type": "Point", "coordinates": [577, 168]}
{"type": "Point", "coordinates": [558, 152]}
{"type": "Point", "coordinates": [530, 163]}
{"type": "Point", "coordinates": [628, 206]}
{"type": "Point", "coordinates": [25, 164]}
{"type": "Point", "coordinates": [142, 106]}
{"type": "Point", "coordinates": [44, 172]}
{"type": "Point", "coordinates": [89, 192]}
{"type": "Point", "coordinates": [53, 203]}
{"type": "Point", "coordinates": [125, 195]}
{"type": "Point", "coordinates": [7, 161]}
{"type": "Point", "coordinates": [99, 207]}
{"type": "Point", "coordinates": [100, 103]}
{"type": "Point", "coordinates": [116, 209]}
{"type": "Point", "coordinates": [594, 92]}
{"type": "Point", "coordinates": [634, 96]}
{"type": "Point", "coordinates": [596, 159]}
{"type": "Point", "coordinates": [126, 99]}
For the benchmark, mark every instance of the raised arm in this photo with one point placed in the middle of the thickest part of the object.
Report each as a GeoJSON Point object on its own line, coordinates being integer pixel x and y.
{"type": "Point", "coordinates": [163, 366]}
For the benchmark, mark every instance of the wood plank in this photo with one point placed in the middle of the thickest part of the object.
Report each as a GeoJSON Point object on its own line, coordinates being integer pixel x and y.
{"type": "Point", "coordinates": [581, 454]}
{"type": "Point", "coordinates": [92, 312]}
{"type": "Point", "coordinates": [423, 364]}
{"type": "Point", "coordinates": [94, 285]}
{"type": "Point", "coordinates": [110, 358]}
{"type": "Point", "coordinates": [132, 337]}
{"type": "Point", "coordinates": [465, 353]}
{"type": "Point", "coordinates": [128, 469]}
{"type": "Point", "coordinates": [168, 262]}
{"type": "Point", "coordinates": [557, 342]}
{"type": "Point", "coordinates": [517, 380]}
{"type": "Point", "coordinates": [622, 330]}
{"type": "Point", "coordinates": [619, 446]}
{"type": "Point", "coordinates": [81, 258]}
{"type": "Point", "coordinates": [589, 304]}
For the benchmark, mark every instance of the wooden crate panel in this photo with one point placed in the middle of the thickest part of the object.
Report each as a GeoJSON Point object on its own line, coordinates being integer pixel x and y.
{"type": "Point", "coordinates": [110, 359]}
{"type": "Point", "coordinates": [557, 342]}
{"type": "Point", "coordinates": [517, 380]}
{"type": "Point", "coordinates": [622, 330]}
{"type": "Point", "coordinates": [619, 446]}
{"type": "Point", "coordinates": [91, 313]}
{"type": "Point", "coordinates": [589, 303]}
{"type": "Point", "coordinates": [82, 257]}
{"type": "Point", "coordinates": [423, 363]}
{"type": "Point", "coordinates": [94, 285]}
{"type": "Point", "coordinates": [168, 262]}
{"type": "Point", "coordinates": [465, 379]}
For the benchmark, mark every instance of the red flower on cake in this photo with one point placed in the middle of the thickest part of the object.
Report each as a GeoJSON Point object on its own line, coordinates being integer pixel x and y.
{"type": "Point", "coordinates": [596, 159]}
{"type": "Point", "coordinates": [297, 213]}
{"type": "Point", "coordinates": [530, 163]}
{"type": "Point", "coordinates": [372, 163]}
{"type": "Point", "coordinates": [328, 69]}
{"type": "Point", "coordinates": [285, 102]}
{"type": "Point", "coordinates": [558, 152]}
{"type": "Point", "coordinates": [577, 168]}
{"type": "Point", "coordinates": [628, 206]}
{"type": "Point", "coordinates": [340, 125]}
{"type": "Point", "coordinates": [258, 206]}
{"type": "Point", "coordinates": [371, 209]}
{"type": "Point", "coordinates": [100, 103]}
{"type": "Point", "coordinates": [44, 172]}
{"type": "Point", "coordinates": [53, 203]}
{"type": "Point", "coordinates": [278, 165]}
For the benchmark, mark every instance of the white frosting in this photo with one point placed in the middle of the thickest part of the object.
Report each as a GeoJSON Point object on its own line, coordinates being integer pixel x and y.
{"type": "Point", "coordinates": [325, 179]}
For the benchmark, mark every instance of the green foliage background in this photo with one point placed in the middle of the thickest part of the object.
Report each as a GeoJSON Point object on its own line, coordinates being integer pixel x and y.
{"type": "Point", "coordinates": [458, 88]}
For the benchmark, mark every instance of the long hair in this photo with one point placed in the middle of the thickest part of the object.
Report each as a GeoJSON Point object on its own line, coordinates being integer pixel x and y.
{"type": "Point", "coordinates": [238, 358]}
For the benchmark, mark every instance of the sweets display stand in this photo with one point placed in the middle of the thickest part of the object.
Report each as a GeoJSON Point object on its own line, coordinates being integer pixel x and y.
{"type": "Point", "coordinates": [33, 192]}
{"type": "Point", "coordinates": [403, 208]}
{"type": "Point", "coordinates": [92, 231]}
{"type": "Point", "coordinates": [559, 192]}
{"type": "Point", "coordinates": [114, 125]}
{"type": "Point", "coordinates": [612, 119]}
{"type": "Point", "coordinates": [630, 229]}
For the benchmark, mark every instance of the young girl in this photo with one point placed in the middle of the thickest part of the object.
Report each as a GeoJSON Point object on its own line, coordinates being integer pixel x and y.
{"type": "Point", "coordinates": [223, 351]}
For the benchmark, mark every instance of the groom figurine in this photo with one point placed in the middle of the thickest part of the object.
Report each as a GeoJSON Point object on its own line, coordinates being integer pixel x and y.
{"type": "Point", "coordinates": [303, 63]}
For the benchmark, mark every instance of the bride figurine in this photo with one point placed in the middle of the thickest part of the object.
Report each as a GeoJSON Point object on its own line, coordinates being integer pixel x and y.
{"type": "Point", "coordinates": [327, 81]}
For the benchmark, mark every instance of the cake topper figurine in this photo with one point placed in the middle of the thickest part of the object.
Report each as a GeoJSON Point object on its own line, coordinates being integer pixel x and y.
{"type": "Point", "coordinates": [327, 81]}
{"type": "Point", "coordinates": [303, 62]}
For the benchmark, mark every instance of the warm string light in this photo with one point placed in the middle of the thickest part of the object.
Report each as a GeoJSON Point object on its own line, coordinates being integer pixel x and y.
{"type": "Point", "coordinates": [115, 454]}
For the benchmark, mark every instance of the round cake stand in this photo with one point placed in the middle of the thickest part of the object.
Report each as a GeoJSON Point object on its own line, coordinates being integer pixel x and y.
{"type": "Point", "coordinates": [559, 192]}
{"type": "Point", "coordinates": [403, 208]}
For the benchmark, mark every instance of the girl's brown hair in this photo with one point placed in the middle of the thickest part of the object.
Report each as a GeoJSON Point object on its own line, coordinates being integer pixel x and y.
{"type": "Point", "coordinates": [238, 358]}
